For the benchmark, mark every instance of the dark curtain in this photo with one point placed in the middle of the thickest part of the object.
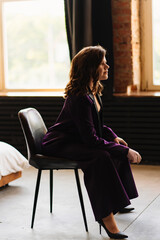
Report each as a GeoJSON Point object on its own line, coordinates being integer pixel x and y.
{"type": "Point", "coordinates": [89, 22]}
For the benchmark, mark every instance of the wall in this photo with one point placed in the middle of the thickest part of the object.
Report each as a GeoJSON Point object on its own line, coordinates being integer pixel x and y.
{"type": "Point", "coordinates": [10, 130]}
{"type": "Point", "coordinates": [136, 119]}
{"type": "Point", "coordinates": [126, 44]}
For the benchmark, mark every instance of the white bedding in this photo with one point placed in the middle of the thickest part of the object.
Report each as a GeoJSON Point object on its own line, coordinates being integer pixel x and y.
{"type": "Point", "coordinates": [11, 160]}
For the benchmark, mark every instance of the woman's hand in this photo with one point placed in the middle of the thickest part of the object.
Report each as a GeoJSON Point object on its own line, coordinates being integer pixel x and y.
{"type": "Point", "coordinates": [133, 156]}
{"type": "Point", "coordinates": [119, 140]}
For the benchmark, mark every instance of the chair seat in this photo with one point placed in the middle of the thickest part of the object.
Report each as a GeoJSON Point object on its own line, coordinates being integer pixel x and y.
{"type": "Point", "coordinates": [40, 161]}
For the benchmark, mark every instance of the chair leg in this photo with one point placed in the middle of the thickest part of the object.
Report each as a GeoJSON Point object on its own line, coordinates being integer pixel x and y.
{"type": "Point", "coordinates": [36, 196]}
{"type": "Point", "coordinates": [81, 199]}
{"type": "Point", "coordinates": [51, 189]}
{"type": "Point", "coordinates": [99, 228]}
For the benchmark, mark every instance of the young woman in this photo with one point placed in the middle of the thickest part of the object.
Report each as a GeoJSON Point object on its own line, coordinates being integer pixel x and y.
{"type": "Point", "coordinates": [79, 134]}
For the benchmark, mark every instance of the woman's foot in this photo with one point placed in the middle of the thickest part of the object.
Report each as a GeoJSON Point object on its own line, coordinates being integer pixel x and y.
{"type": "Point", "coordinates": [110, 226]}
{"type": "Point", "coordinates": [126, 210]}
{"type": "Point", "coordinates": [110, 223]}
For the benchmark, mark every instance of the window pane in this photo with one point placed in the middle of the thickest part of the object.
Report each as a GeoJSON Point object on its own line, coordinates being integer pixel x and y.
{"type": "Point", "coordinates": [36, 49]}
{"type": "Point", "coordinates": [156, 41]}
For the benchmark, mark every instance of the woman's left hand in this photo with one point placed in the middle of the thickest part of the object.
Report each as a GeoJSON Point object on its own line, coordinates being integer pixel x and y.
{"type": "Point", "coordinates": [119, 140]}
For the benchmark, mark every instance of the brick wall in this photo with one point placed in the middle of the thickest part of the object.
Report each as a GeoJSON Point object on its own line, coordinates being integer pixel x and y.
{"type": "Point", "coordinates": [136, 43]}
{"type": "Point", "coordinates": [126, 44]}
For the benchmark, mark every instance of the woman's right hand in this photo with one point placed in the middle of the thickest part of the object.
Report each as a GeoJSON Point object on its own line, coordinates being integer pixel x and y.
{"type": "Point", "coordinates": [133, 156]}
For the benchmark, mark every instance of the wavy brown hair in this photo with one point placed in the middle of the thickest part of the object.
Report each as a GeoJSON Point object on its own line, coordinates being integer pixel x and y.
{"type": "Point", "coordinates": [84, 67]}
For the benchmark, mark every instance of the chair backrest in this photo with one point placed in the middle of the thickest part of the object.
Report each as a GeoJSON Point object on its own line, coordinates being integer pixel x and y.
{"type": "Point", "coordinates": [33, 128]}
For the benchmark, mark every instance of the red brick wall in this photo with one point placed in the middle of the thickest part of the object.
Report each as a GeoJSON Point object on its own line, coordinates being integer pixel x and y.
{"type": "Point", "coordinates": [125, 15]}
{"type": "Point", "coordinates": [136, 43]}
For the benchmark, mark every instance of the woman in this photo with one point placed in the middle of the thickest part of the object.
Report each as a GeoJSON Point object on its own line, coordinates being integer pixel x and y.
{"type": "Point", "coordinates": [79, 134]}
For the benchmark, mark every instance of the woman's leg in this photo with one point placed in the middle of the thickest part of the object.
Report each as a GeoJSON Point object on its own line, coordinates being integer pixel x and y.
{"type": "Point", "coordinates": [102, 180]}
{"type": "Point", "coordinates": [104, 186]}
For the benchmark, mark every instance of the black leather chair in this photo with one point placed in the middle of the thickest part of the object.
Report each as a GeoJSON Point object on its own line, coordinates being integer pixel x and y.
{"type": "Point", "coordinates": [34, 129]}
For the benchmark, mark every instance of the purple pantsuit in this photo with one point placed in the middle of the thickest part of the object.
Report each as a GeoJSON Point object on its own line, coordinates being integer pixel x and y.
{"type": "Point", "coordinates": [79, 134]}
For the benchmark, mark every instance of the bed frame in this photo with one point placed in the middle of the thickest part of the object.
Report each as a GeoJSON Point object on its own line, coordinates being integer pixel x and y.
{"type": "Point", "coordinates": [6, 179]}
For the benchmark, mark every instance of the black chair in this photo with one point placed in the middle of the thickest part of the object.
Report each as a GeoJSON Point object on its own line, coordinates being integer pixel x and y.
{"type": "Point", "coordinates": [34, 129]}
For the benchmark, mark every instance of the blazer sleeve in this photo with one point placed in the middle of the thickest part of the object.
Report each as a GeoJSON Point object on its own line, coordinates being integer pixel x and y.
{"type": "Point", "coordinates": [83, 119]}
{"type": "Point", "coordinates": [108, 133]}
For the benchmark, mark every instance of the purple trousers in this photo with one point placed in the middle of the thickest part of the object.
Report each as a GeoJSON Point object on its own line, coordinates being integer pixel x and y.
{"type": "Point", "coordinates": [107, 176]}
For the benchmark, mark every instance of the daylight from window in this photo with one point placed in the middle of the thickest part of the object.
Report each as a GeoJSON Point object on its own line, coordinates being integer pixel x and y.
{"type": "Point", "coordinates": [156, 41]}
{"type": "Point", "coordinates": [36, 49]}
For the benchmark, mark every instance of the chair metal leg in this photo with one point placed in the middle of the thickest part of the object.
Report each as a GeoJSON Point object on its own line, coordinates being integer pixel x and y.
{"type": "Point", "coordinates": [36, 196]}
{"type": "Point", "coordinates": [51, 189]}
{"type": "Point", "coordinates": [99, 228]}
{"type": "Point", "coordinates": [81, 199]}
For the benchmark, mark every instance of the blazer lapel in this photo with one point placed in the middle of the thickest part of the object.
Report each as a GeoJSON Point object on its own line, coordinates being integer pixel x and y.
{"type": "Point", "coordinates": [91, 96]}
{"type": "Point", "coordinates": [100, 100]}
{"type": "Point", "coordinates": [98, 115]}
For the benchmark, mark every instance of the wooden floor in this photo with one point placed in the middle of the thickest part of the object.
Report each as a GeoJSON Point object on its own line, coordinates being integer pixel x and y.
{"type": "Point", "coordinates": [66, 221]}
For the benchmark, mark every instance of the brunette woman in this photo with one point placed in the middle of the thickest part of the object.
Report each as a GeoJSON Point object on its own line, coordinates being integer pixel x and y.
{"type": "Point", "coordinates": [79, 134]}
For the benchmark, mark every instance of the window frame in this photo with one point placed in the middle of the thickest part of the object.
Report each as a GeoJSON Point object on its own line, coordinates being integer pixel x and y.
{"type": "Point", "coordinates": [3, 89]}
{"type": "Point", "coordinates": [147, 46]}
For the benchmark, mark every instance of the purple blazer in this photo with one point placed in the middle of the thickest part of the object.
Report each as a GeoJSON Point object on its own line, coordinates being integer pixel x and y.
{"type": "Point", "coordinates": [80, 122]}
{"type": "Point", "coordinates": [79, 134]}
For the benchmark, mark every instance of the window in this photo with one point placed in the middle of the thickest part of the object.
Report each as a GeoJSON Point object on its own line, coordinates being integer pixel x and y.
{"type": "Point", "coordinates": [156, 41]}
{"type": "Point", "coordinates": [150, 32]}
{"type": "Point", "coordinates": [34, 50]}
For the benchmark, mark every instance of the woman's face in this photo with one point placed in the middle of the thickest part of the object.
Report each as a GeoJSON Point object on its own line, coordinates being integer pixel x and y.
{"type": "Point", "coordinates": [103, 70]}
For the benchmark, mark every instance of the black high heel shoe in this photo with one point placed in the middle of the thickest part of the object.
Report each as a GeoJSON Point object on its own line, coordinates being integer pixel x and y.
{"type": "Point", "coordinates": [118, 235]}
{"type": "Point", "coordinates": [126, 210]}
